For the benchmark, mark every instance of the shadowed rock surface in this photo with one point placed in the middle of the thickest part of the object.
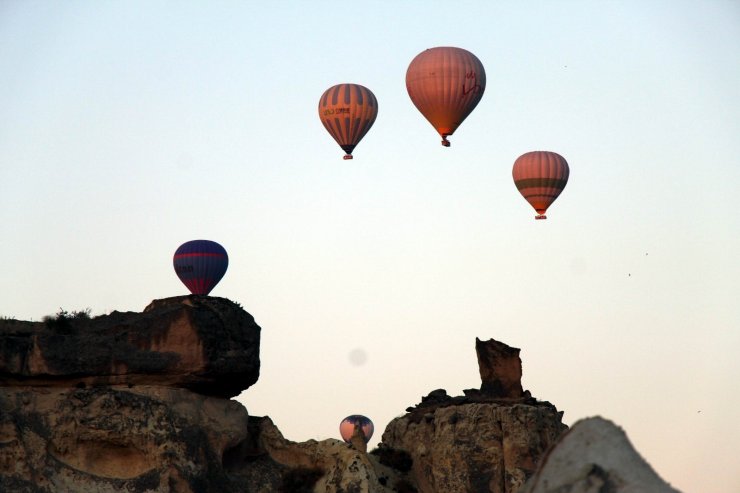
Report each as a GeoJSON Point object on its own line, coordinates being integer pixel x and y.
{"type": "Point", "coordinates": [116, 439]}
{"type": "Point", "coordinates": [595, 456]}
{"type": "Point", "coordinates": [205, 344]}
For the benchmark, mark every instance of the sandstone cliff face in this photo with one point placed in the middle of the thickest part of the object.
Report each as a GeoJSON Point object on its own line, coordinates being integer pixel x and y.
{"type": "Point", "coordinates": [489, 440]}
{"type": "Point", "coordinates": [205, 344]}
{"type": "Point", "coordinates": [128, 402]}
{"type": "Point", "coordinates": [476, 446]}
{"type": "Point", "coordinates": [116, 439]}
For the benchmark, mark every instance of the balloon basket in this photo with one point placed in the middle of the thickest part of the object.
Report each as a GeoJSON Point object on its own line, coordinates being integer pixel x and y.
{"type": "Point", "coordinates": [540, 216]}
{"type": "Point", "coordinates": [445, 142]}
{"type": "Point", "coordinates": [348, 156]}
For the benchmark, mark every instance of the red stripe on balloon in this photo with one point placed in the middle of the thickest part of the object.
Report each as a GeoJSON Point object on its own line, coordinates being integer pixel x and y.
{"type": "Point", "coordinates": [183, 255]}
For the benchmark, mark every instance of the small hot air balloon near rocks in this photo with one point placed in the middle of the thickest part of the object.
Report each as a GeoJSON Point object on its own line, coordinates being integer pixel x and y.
{"type": "Point", "coordinates": [200, 265]}
{"type": "Point", "coordinates": [445, 84]}
{"type": "Point", "coordinates": [540, 176]}
{"type": "Point", "coordinates": [347, 112]}
{"type": "Point", "coordinates": [347, 427]}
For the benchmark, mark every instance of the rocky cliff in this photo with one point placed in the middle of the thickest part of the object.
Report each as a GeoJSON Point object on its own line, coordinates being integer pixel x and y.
{"type": "Point", "coordinates": [115, 439]}
{"type": "Point", "coordinates": [140, 402]}
{"type": "Point", "coordinates": [127, 401]}
{"type": "Point", "coordinates": [205, 344]}
{"type": "Point", "coordinates": [489, 440]}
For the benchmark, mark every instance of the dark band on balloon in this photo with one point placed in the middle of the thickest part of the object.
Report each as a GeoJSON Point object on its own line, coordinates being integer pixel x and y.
{"type": "Point", "coordinates": [540, 182]}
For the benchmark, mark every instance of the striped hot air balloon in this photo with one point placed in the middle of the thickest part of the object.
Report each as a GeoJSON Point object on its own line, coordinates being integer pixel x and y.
{"type": "Point", "coordinates": [445, 84]}
{"type": "Point", "coordinates": [540, 176]}
{"type": "Point", "coordinates": [347, 427]}
{"type": "Point", "coordinates": [347, 112]}
{"type": "Point", "coordinates": [200, 265]}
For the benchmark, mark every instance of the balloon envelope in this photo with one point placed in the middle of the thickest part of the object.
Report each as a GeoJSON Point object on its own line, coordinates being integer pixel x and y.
{"type": "Point", "coordinates": [347, 427]}
{"type": "Point", "coordinates": [347, 112]}
{"type": "Point", "coordinates": [445, 84]}
{"type": "Point", "coordinates": [540, 177]}
{"type": "Point", "coordinates": [200, 265]}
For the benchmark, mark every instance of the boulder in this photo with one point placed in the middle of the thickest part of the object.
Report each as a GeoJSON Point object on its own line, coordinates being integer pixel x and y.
{"type": "Point", "coordinates": [595, 455]}
{"type": "Point", "coordinates": [205, 344]}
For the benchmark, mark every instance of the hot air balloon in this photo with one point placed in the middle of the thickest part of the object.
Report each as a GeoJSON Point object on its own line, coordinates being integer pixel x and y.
{"type": "Point", "coordinates": [200, 265]}
{"type": "Point", "coordinates": [445, 84]}
{"type": "Point", "coordinates": [540, 176]}
{"type": "Point", "coordinates": [347, 112]}
{"type": "Point", "coordinates": [347, 427]}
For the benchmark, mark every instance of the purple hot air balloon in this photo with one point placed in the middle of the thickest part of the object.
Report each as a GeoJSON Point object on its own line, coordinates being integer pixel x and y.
{"type": "Point", "coordinates": [200, 264]}
{"type": "Point", "coordinates": [347, 427]}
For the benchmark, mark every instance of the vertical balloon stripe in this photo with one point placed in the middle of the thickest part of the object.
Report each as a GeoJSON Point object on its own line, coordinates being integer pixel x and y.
{"type": "Point", "coordinates": [332, 129]}
{"type": "Point", "coordinates": [347, 128]}
{"type": "Point", "coordinates": [355, 127]}
{"type": "Point", "coordinates": [364, 127]}
{"type": "Point", "coordinates": [340, 130]}
{"type": "Point", "coordinates": [347, 93]}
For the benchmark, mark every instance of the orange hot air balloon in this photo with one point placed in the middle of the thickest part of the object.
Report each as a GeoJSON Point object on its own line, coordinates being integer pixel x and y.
{"type": "Point", "coordinates": [348, 111]}
{"type": "Point", "coordinates": [540, 176]}
{"type": "Point", "coordinates": [445, 84]}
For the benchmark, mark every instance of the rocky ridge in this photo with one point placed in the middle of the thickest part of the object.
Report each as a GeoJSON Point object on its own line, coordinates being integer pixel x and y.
{"type": "Point", "coordinates": [205, 344]}
{"type": "Point", "coordinates": [140, 402]}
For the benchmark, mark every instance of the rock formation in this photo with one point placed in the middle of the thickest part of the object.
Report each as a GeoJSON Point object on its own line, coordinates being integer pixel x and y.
{"type": "Point", "coordinates": [128, 401]}
{"type": "Point", "coordinates": [489, 440]}
{"type": "Point", "coordinates": [117, 439]}
{"type": "Point", "coordinates": [205, 344]}
{"type": "Point", "coordinates": [500, 369]}
{"type": "Point", "coordinates": [594, 456]}
{"type": "Point", "coordinates": [273, 464]}
{"type": "Point", "coordinates": [140, 402]}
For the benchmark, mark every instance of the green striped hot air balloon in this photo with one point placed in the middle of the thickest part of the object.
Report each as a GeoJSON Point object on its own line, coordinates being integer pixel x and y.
{"type": "Point", "coordinates": [540, 176]}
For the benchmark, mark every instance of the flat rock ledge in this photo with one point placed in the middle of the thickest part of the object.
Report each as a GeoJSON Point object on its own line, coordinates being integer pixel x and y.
{"type": "Point", "coordinates": [205, 344]}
